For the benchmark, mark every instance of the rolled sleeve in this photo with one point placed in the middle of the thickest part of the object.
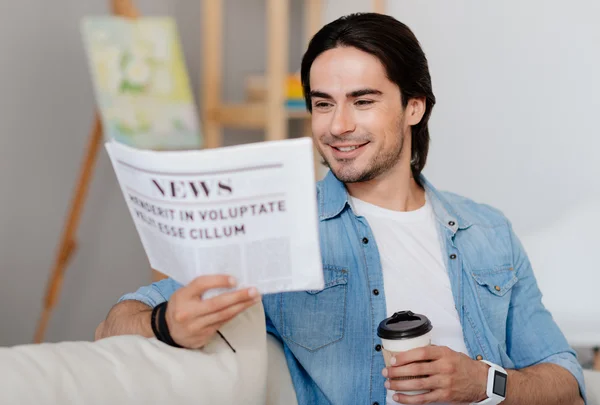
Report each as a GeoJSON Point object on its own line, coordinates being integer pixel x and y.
{"type": "Point", "coordinates": [153, 294]}
{"type": "Point", "coordinates": [533, 337]}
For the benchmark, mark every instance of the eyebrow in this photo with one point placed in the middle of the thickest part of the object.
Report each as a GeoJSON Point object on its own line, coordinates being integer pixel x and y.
{"type": "Point", "coordinates": [352, 94]}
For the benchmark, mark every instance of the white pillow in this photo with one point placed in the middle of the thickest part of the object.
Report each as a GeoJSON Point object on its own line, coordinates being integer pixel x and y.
{"type": "Point", "coordinates": [135, 370]}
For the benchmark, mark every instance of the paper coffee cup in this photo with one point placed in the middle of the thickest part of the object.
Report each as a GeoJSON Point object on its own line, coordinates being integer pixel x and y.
{"type": "Point", "coordinates": [401, 332]}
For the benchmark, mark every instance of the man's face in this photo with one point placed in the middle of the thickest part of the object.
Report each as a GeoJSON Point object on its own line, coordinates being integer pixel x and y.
{"type": "Point", "coordinates": [357, 117]}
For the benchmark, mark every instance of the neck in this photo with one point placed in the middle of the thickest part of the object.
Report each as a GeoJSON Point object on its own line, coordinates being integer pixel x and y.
{"type": "Point", "coordinates": [394, 190]}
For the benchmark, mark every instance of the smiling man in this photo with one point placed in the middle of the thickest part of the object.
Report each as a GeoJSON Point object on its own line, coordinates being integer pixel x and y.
{"type": "Point", "coordinates": [390, 242]}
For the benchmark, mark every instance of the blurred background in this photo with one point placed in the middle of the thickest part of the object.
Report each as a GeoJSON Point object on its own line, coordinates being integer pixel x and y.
{"type": "Point", "coordinates": [514, 126]}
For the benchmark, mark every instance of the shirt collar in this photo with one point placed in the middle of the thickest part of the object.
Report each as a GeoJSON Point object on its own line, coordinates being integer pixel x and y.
{"type": "Point", "coordinates": [333, 199]}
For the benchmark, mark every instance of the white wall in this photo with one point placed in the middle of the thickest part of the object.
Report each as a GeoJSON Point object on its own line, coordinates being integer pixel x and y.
{"type": "Point", "coordinates": [333, 9]}
{"type": "Point", "coordinates": [517, 87]}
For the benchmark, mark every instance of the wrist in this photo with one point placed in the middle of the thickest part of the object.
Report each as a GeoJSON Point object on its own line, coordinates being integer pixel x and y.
{"type": "Point", "coordinates": [495, 392]}
{"type": "Point", "coordinates": [160, 327]}
{"type": "Point", "coordinates": [144, 323]}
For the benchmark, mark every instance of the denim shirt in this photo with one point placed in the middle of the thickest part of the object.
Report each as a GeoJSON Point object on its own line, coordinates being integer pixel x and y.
{"type": "Point", "coordinates": [330, 335]}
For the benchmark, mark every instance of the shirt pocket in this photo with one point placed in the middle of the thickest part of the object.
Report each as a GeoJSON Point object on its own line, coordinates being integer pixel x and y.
{"type": "Point", "coordinates": [494, 290]}
{"type": "Point", "coordinates": [316, 318]}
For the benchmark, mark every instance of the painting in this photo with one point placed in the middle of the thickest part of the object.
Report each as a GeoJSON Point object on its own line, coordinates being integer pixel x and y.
{"type": "Point", "coordinates": [141, 83]}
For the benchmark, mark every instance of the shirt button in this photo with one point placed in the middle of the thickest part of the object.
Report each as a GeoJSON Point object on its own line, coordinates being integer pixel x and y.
{"type": "Point", "coordinates": [479, 357]}
{"type": "Point", "coordinates": [451, 223]}
{"type": "Point", "coordinates": [365, 240]}
{"type": "Point", "coordinates": [452, 256]}
{"type": "Point", "coordinates": [375, 403]}
{"type": "Point", "coordinates": [376, 292]}
{"type": "Point", "coordinates": [378, 348]}
{"type": "Point", "coordinates": [497, 288]}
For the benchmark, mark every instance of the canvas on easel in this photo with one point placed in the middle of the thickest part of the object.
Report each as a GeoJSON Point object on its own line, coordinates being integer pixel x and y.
{"type": "Point", "coordinates": [141, 83]}
{"type": "Point", "coordinates": [174, 127]}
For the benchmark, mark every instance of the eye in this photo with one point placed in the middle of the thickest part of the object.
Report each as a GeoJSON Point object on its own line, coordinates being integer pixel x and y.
{"type": "Point", "coordinates": [322, 105]}
{"type": "Point", "coordinates": [363, 103]}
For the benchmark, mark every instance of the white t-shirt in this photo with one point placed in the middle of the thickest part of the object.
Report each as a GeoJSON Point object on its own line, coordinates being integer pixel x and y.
{"type": "Point", "coordinates": [414, 274]}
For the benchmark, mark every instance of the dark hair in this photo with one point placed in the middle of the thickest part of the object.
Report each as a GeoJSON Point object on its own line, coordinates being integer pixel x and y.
{"type": "Point", "coordinates": [397, 48]}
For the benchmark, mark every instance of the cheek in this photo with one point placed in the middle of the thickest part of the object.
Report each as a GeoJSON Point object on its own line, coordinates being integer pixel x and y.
{"type": "Point", "coordinates": [319, 126]}
{"type": "Point", "coordinates": [387, 126]}
{"type": "Point", "coordinates": [371, 122]}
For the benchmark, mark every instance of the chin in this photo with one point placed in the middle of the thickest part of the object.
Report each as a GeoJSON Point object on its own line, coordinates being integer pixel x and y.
{"type": "Point", "coordinates": [350, 174]}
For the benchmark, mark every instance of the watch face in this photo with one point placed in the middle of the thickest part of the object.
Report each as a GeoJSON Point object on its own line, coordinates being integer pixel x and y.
{"type": "Point", "coordinates": [499, 387]}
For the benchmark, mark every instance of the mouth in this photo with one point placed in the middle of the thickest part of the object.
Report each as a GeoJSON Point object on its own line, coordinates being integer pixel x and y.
{"type": "Point", "coordinates": [347, 151]}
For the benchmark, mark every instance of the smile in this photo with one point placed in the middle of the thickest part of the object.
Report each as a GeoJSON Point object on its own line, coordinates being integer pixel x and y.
{"type": "Point", "coordinates": [347, 148]}
{"type": "Point", "coordinates": [347, 151]}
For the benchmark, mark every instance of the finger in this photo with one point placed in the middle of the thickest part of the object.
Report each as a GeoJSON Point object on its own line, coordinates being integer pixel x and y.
{"type": "Point", "coordinates": [200, 285]}
{"type": "Point", "coordinates": [198, 309]}
{"type": "Point", "coordinates": [426, 353]}
{"type": "Point", "coordinates": [193, 308]}
{"type": "Point", "coordinates": [199, 340]}
{"type": "Point", "coordinates": [225, 300]}
{"type": "Point", "coordinates": [416, 384]}
{"type": "Point", "coordinates": [224, 316]}
{"type": "Point", "coordinates": [412, 370]}
{"type": "Point", "coordinates": [430, 397]}
{"type": "Point", "coordinates": [217, 319]}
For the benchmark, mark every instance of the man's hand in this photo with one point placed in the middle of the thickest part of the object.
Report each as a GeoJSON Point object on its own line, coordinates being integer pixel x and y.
{"type": "Point", "coordinates": [193, 320]}
{"type": "Point", "coordinates": [449, 376]}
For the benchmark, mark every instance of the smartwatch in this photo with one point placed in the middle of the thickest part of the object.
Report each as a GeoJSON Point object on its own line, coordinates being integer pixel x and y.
{"type": "Point", "coordinates": [496, 385]}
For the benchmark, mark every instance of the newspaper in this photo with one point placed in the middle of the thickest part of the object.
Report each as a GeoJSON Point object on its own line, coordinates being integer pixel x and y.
{"type": "Point", "coordinates": [249, 211]}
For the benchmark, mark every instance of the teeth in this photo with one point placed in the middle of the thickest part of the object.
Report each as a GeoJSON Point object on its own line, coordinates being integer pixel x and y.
{"type": "Point", "coordinates": [347, 148]}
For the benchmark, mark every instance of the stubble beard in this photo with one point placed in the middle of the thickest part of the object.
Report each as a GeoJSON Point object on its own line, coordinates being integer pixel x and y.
{"type": "Point", "coordinates": [381, 163]}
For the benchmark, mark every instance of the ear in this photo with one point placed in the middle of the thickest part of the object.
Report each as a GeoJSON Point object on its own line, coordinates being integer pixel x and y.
{"type": "Point", "coordinates": [415, 110]}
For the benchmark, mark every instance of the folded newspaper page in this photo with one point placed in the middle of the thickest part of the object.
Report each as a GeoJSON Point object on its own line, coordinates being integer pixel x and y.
{"type": "Point", "coordinates": [249, 211]}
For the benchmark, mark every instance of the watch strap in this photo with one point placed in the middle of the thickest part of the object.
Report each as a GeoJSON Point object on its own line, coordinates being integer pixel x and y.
{"type": "Point", "coordinates": [491, 399]}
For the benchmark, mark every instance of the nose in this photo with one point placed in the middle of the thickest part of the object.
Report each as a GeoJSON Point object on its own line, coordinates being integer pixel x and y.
{"type": "Point", "coordinates": [342, 121]}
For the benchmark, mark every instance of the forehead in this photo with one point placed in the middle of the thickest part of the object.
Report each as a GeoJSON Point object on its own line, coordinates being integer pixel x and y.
{"type": "Point", "coordinates": [345, 69]}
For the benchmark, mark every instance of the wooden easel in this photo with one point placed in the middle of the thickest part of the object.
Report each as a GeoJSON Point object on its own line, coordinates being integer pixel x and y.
{"type": "Point", "coordinates": [68, 244]}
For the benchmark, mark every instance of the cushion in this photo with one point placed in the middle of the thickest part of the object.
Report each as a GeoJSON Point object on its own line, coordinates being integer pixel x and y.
{"type": "Point", "coordinates": [135, 370]}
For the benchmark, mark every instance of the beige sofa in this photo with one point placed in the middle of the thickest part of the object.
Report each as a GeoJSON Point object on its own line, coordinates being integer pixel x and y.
{"type": "Point", "coordinates": [133, 370]}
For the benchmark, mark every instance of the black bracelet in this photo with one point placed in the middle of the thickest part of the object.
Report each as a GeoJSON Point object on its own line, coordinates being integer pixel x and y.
{"type": "Point", "coordinates": [160, 326]}
{"type": "Point", "coordinates": [160, 312]}
{"type": "Point", "coordinates": [165, 327]}
{"type": "Point", "coordinates": [153, 322]}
